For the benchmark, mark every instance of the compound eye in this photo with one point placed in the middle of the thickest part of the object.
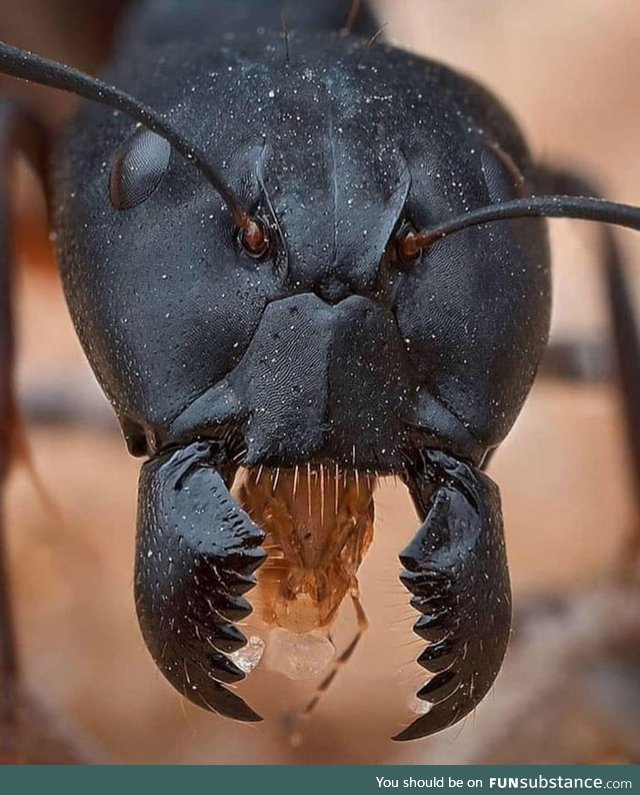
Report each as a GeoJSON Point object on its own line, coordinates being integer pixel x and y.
{"type": "Point", "coordinates": [138, 168]}
{"type": "Point", "coordinates": [255, 239]}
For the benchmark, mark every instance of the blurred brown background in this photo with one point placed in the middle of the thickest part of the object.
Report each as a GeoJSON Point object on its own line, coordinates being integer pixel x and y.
{"type": "Point", "coordinates": [569, 70]}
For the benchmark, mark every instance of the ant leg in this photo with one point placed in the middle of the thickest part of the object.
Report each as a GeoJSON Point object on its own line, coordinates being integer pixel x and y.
{"type": "Point", "coordinates": [8, 652]}
{"type": "Point", "coordinates": [578, 361]}
{"type": "Point", "coordinates": [339, 662]}
{"type": "Point", "coordinates": [626, 350]}
{"type": "Point", "coordinates": [17, 130]}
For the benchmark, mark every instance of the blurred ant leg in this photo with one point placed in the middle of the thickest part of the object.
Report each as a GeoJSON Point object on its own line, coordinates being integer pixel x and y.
{"type": "Point", "coordinates": [352, 17]}
{"type": "Point", "coordinates": [17, 133]}
{"type": "Point", "coordinates": [339, 662]}
{"type": "Point", "coordinates": [66, 403]}
{"type": "Point", "coordinates": [578, 361]}
{"type": "Point", "coordinates": [626, 350]}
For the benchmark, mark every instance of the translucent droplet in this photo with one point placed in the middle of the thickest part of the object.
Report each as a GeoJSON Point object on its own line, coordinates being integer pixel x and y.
{"type": "Point", "coordinates": [299, 656]}
{"type": "Point", "coordinates": [248, 657]}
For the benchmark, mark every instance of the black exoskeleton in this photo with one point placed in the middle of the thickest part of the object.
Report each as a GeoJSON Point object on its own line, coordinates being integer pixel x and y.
{"type": "Point", "coordinates": [282, 252]}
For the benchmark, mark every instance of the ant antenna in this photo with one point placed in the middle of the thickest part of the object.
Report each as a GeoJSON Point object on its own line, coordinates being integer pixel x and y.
{"type": "Point", "coordinates": [585, 208]}
{"type": "Point", "coordinates": [33, 68]}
